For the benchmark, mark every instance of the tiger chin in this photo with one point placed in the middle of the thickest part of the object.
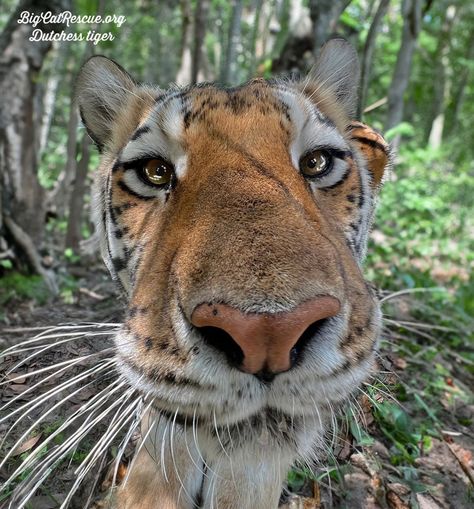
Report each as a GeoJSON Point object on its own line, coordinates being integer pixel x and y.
{"type": "Point", "coordinates": [235, 222]}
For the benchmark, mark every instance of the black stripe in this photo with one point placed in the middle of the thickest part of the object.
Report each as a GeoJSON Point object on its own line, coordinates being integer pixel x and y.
{"type": "Point", "coordinates": [125, 188]}
{"type": "Point", "coordinates": [199, 498]}
{"type": "Point", "coordinates": [372, 143]}
{"type": "Point", "coordinates": [140, 131]}
{"type": "Point", "coordinates": [339, 182]}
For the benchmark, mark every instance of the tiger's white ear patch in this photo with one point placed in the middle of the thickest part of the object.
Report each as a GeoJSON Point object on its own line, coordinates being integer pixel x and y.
{"type": "Point", "coordinates": [102, 88]}
{"type": "Point", "coordinates": [337, 71]}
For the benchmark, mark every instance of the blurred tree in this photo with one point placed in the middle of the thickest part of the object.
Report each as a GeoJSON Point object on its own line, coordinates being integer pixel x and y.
{"type": "Point", "coordinates": [411, 12]}
{"type": "Point", "coordinates": [79, 189]}
{"type": "Point", "coordinates": [77, 196]}
{"type": "Point", "coordinates": [462, 86]}
{"type": "Point", "coordinates": [368, 53]}
{"type": "Point", "coordinates": [229, 67]}
{"type": "Point", "coordinates": [325, 15]}
{"type": "Point", "coordinates": [200, 21]}
{"type": "Point", "coordinates": [307, 33]}
{"type": "Point", "coordinates": [441, 84]}
{"type": "Point", "coordinates": [257, 8]}
{"type": "Point", "coordinates": [22, 197]}
{"type": "Point", "coordinates": [183, 77]}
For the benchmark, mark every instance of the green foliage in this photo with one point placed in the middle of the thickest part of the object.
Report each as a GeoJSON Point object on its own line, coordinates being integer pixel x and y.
{"type": "Point", "coordinates": [407, 440]}
{"type": "Point", "coordinates": [17, 287]}
{"type": "Point", "coordinates": [422, 224]}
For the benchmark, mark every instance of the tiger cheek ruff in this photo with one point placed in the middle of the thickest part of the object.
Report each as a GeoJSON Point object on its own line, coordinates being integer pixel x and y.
{"type": "Point", "coordinates": [235, 221]}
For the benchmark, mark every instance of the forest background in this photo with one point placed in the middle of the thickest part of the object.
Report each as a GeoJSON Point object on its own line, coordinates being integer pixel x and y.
{"type": "Point", "coordinates": [417, 87]}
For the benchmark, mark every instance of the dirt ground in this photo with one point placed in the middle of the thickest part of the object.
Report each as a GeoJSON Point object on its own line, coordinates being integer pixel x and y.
{"type": "Point", "coordinates": [365, 476]}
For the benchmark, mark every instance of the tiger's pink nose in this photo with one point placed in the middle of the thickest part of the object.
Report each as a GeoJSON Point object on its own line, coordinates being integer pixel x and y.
{"type": "Point", "coordinates": [260, 342]}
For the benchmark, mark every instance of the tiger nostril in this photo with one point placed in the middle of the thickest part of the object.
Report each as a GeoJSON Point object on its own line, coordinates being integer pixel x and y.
{"type": "Point", "coordinates": [296, 353]}
{"type": "Point", "coordinates": [223, 342]}
{"type": "Point", "coordinates": [257, 342]}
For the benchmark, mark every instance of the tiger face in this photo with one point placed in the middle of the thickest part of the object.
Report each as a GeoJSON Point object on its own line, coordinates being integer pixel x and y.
{"type": "Point", "coordinates": [235, 221]}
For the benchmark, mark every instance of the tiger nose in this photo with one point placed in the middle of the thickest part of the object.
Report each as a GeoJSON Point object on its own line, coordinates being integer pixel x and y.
{"type": "Point", "coordinates": [260, 342]}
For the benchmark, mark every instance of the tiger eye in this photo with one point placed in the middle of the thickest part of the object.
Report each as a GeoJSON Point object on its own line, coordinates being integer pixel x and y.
{"type": "Point", "coordinates": [315, 164]}
{"type": "Point", "coordinates": [158, 172]}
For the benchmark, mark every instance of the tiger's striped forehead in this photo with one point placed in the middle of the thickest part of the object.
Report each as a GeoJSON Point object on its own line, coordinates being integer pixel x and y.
{"type": "Point", "coordinates": [260, 116]}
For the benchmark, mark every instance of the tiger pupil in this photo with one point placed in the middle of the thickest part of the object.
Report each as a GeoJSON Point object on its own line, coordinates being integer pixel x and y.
{"type": "Point", "coordinates": [157, 172]}
{"type": "Point", "coordinates": [316, 164]}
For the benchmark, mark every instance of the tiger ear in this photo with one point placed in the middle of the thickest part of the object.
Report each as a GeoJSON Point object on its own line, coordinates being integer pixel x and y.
{"type": "Point", "coordinates": [373, 147]}
{"type": "Point", "coordinates": [102, 88]}
{"type": "Point", "coordinates": [336, 71]}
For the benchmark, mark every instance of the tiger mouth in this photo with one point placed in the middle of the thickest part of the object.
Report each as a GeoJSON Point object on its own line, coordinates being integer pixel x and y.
{"type": "Point", "coordinates": [268, 418]}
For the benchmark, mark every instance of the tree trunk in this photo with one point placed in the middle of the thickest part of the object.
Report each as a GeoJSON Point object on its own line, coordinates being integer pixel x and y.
{"type": "Point", "coordinates": [325, 15]}
{"type": "Point", "coordinates": [368, 54]}
{"type": "Point", "coordinates": [411, 11]}
{"type": "Point", "coordinates": [200, 21]}
{"type": "Point", "coordinates": [303, 44]}
{"type": "Point", "coordinates": [460, 93]}
{"type": "Point", "coordinates": [76, 202]}
{"type": "Point", "coordinates": [20, 63]}
{"type": "Point", "coordinates": [49, 95]}
{"type": "Point", "coordinates": [284, 22]}
{"type": "Point", "coordinates": [229, 67]}
{"type": "Point", "coordinates": [441, 85]}
{"type": "Point", "coordinates": [183, 76]}
{"type": "Point", "coordinates": [258, 4]}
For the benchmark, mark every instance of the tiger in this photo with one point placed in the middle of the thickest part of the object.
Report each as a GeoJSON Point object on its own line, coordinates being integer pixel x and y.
{"type": "Point", "coordinates": [235, 222]}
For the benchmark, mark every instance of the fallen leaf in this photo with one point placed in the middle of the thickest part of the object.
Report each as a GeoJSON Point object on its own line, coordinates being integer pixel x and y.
{"type": "Point", "coordinates": [398, 488]}
{"type": "Point", "coordinates": [18, 378]}
{"type": "Point", "coordinates": [395, 502]}
{"type": "Point", "coordinates": [400, 363]}
{"type": "Point", "coordinates": [27, 445]}
{"type": "Point", "coordinates": [18, 388]}
{"type": "Point", "coordinates": [425, 502]}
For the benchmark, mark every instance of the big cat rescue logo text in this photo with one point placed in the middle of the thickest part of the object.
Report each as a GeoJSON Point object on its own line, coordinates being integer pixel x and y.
{"type": "Point", "coordinates": [67, 18]}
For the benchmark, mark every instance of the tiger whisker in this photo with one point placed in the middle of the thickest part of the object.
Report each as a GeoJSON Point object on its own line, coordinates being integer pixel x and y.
{"type": "Point", "coordinates": [66, 363]}
{"type": "Point", "coordinates": [103, 443]}
{"type": "Point", "coordinates": [96, 480]}
{"type": "Point", "coordinates": [44, 380]}
{"type": "Point", "coordinates": [41, 418]}
{"type": "Point", "coordinates": [88, 407]}
{"type": "Point", "coordinates": [222, 446]}
{"type": "Point", "coordinates": [143, 440]}
{"type": "Point", "coordinates": [173, 459]}
{"type": "Point", "coordinates": [186, 444]}
{"type": "Point", "coordinates": [71, 444]}
{"type": "Point", "coordinates": [162, 453]}
{"type": "Point", "coordinates": [43, 349]}
{"type": "Point", "coordinates": [52, 392]}
{"type": "Point", "coordinates": [127, 438]}
{"type": "Point", "coordinates": [62, 451]}
{"type": "Point", "coordinates": [196, 443]}
{"type": "Point", "coordinates": [48, 335]}
{"type": "Point", "coordinates": [114, 422]}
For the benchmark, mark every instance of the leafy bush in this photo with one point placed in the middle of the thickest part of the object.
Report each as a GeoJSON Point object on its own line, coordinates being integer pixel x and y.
{"type": "Point", "coordinates": [424, 224]}
{"type": "Point", "coordinates": [16, 286]}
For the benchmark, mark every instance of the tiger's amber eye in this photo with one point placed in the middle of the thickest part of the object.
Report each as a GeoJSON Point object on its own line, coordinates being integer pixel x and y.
{"type": "Point", "coordinates": [315, 164]}
{"type": "Point", "coordinates": [158, 172]}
